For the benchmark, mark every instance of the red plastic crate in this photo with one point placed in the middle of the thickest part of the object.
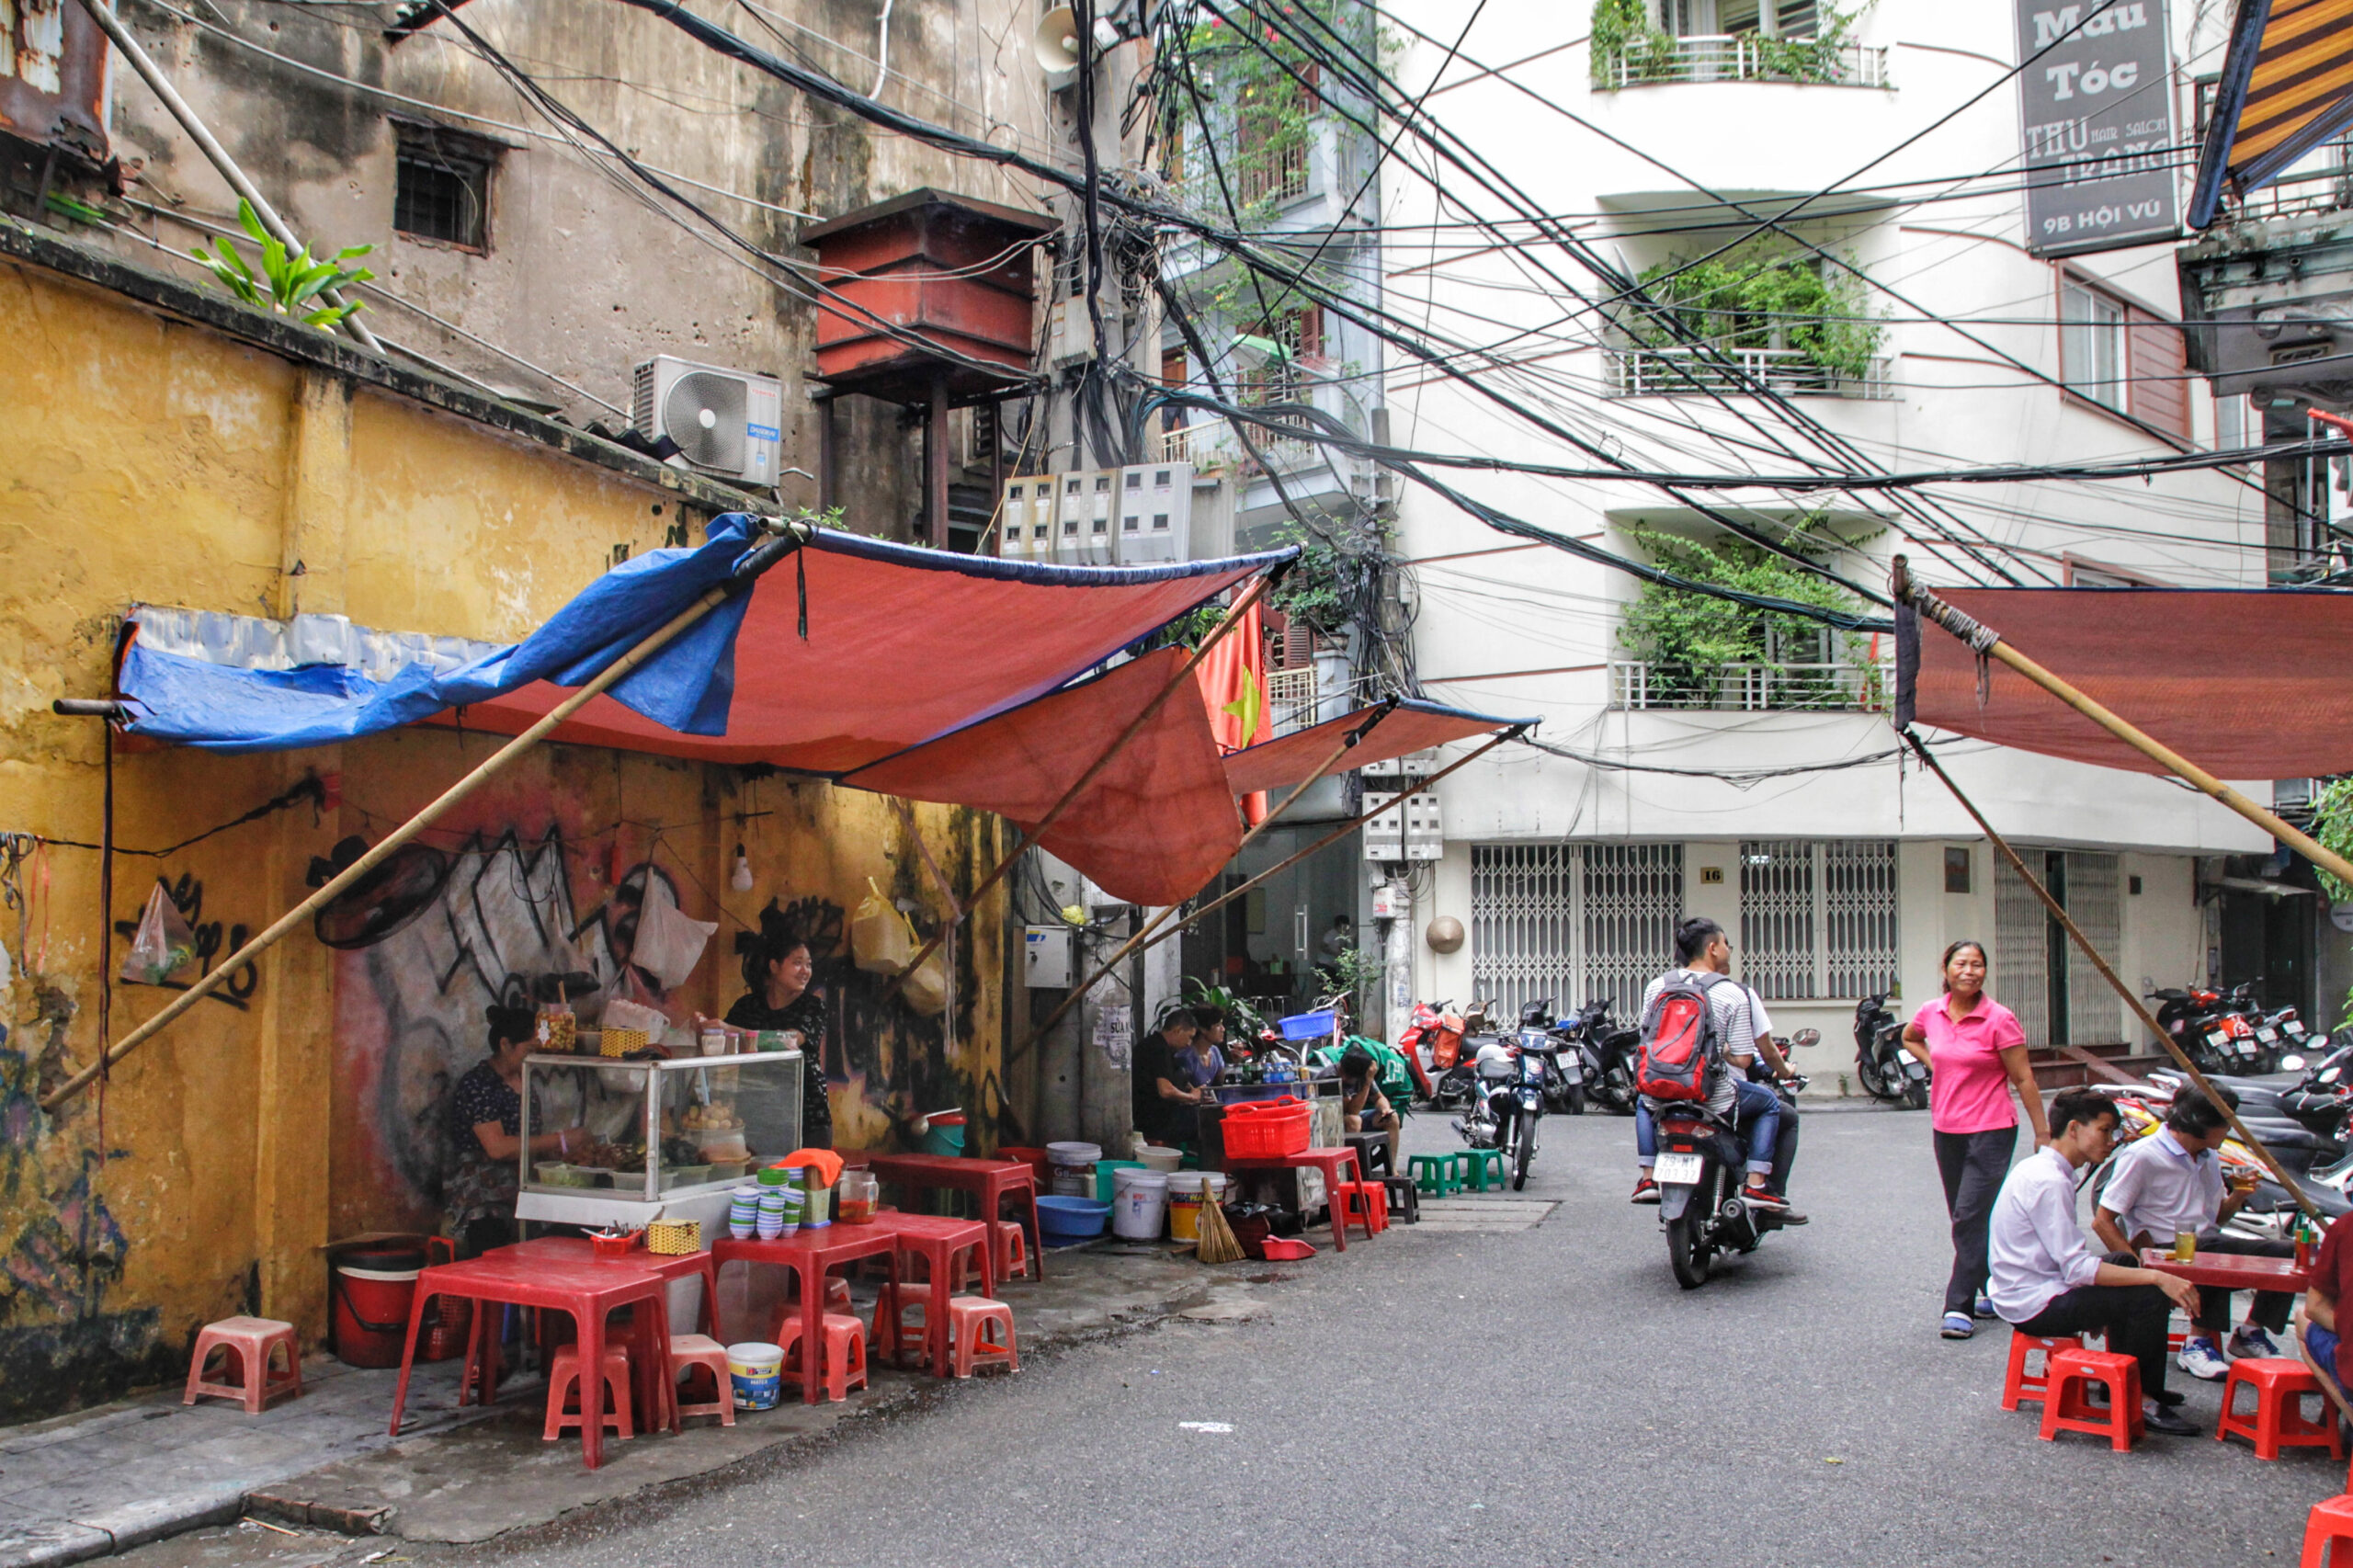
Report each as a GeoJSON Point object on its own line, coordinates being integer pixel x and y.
{"type": "Point", "coordinates": [1265, 1129]}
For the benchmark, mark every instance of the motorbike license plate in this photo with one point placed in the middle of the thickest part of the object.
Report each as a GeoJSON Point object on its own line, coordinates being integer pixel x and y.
{"type": "Point", "coordinates": [1678, 1170]}
{"type": "Point", "coordinates": [2292, 1031]}
{"type": "Point", "coordinates": [2266, 1034]}
{"type": "Point", "coordinates": [2218, 1039]}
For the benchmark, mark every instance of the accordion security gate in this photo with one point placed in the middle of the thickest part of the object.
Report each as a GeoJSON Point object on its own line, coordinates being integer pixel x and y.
{"type": "Point", "coordinates": [1572, 921]}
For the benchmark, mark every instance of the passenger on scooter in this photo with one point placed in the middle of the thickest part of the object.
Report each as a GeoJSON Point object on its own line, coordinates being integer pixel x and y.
{"type": "Point", "coordinates": [2171, 1182]}
{"type": "Point", "coordinates": [1701, 948]}
{"type": "Point", "coordinates": [1363, 1107]}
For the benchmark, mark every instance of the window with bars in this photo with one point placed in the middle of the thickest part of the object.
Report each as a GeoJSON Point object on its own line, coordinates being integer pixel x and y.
{"type": "Point", "coordinates": [441, 185]}
{"type": "Point", "coordinates": [1573, 922]}
{"type": "Point", "coordinates": [1817, 917]}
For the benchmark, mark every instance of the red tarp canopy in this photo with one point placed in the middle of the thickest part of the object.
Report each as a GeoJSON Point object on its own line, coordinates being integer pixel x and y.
{"type": "Point", "coordinates": [2248, 684]}
{"type": "Point", "coordinates": [903, 645]}
{"type": "Point", "coordinates": [1408, 727]}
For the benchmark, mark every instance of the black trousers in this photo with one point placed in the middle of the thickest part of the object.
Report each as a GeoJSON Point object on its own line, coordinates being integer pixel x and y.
{"type": "Point", "coordinates": [1972, 1165]}
{"type": "Point", "coordinates": [2133, 1316]}
{"type": "Point", "coordinates": [2271, 1307]}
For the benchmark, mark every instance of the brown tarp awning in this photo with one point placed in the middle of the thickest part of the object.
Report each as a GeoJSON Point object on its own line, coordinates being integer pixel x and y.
{"type": "Point", "coordinates": [2249, 683]}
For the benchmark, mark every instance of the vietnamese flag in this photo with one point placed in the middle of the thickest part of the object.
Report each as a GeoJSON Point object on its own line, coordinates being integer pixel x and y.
{"type": "Point", "coordinates": [1233, 684]}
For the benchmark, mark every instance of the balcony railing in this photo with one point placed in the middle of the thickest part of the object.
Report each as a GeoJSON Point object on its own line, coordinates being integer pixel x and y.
{"type": "Point", "coordinates": [1666, 373]}
{"type": "Point", "coordinates": [1750, 688]}
{"type": "Point", "coordinates": [2296, 193]}
{"type": "Point", "coordinates": [1748, 57]}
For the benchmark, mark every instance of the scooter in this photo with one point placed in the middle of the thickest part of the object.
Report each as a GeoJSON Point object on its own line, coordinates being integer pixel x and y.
{"type": "Point", "coordinates": [1888, 1072]}
{"type": "Point", "coordinates": [1700, 1173]}
{"type": "Point", "coordinates": [1606, 1050]}
{"type": "Point", "coordinates": [1509, 1099]}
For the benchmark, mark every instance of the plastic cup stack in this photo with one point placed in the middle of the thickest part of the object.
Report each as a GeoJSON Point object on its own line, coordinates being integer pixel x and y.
{"type": "Point", "coordinates": [743, 1213]}
{"type": "Point", "coordinates": [792, 1199]}
{"type": "Point", "coordinates": [771, 1215]}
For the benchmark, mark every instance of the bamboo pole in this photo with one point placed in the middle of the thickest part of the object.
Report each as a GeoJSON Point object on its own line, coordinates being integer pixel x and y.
{"type": "Point", "coordinates": [1987, 643]}
{"type": "Point", "coordinates": [790, 537]}
{"type": "Point", "coordinates": [1031, 835]}
{"type": "Point", "coordinates": [2074, 934]}
{"type": "Point", "coordinates": [1144, 940]}
{"type": "Point", "coordinates": [1160, 918]}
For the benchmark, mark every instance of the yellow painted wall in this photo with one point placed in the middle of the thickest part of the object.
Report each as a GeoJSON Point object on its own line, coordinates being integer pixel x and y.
{"type": "Point", "coordinates": [167, 463]}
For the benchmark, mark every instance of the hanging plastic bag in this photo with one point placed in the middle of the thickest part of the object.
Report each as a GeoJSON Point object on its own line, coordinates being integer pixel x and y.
{"type": "Point", "coordinates": [669, 942]}
{"type": "Point", "coordinates": [880, 940]}
{"type": "Point", "coordinates": [927, 989]}
{"type": "Point", "coordinates": [164, 944]}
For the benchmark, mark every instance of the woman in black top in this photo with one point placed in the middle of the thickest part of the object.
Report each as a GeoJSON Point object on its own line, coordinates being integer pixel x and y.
{"type": "Point", "coordinates": [779, 967]}
{"type": "Point", "coordinates": [485, 1134]}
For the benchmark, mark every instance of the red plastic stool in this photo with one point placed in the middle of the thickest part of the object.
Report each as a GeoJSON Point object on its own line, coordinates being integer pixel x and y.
{"type": "Point", "coordinates": [1012, 1250]}
{"type": "Point", "coordinates": [894, 1337]}
{"type": "Point", "coordinates": [2066, 1408]}
{"type": "Point", "coordinates": [249, 1347]}
{"type": "Point", "coordinates": [690, 1351]}
{"type": "Point", "coordinates": [2277, 1420]}
{"type": "Point", "coordinates": [969, 1319]}
{"type": "Point", "coordinates": [2019, 1385]}
{"type": "Point", "coordinates": [564, 1381]}
{"type": "Point", "coordinates": [2329, 1523]}
{"type": "Point", "coordinates": [836, 1293]}
{"type": "Point", "coordinates": [843, 1363]}
{"type": "Point", "coordinates": [1366, 1203]}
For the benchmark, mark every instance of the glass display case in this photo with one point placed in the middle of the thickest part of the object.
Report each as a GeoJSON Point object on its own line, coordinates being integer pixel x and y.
{"type": "Point", "coordinates": [654, 1138]}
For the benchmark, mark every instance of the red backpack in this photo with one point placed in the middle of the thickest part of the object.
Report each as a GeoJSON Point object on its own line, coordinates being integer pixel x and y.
{"type": "Point", "coordinates": [1681, 1041]}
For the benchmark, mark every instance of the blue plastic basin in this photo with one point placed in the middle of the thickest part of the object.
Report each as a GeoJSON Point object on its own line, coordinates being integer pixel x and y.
{"type": "Point", "coordinates": [1066, 1220]}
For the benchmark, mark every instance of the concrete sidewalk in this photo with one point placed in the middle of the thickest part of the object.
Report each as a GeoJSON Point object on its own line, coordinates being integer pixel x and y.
{"type": "Point", "coordinates": [104, 1481]}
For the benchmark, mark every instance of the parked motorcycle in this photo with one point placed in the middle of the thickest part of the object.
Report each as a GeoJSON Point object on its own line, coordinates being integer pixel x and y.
{"type": "Point", "coordinates": [1700, 1173]}
{"type": "Point", "coordinates": [1605, 1053]}
{"type": "Point", "coordinates": [2214, 1030]}
{"type": "Point", "coordinates": [1563, 1063]}
{"type": "Point", "coordinates": [1432, 1040]}
{"type": "Point", "coordinates": [1508, 1100]}
{"type": "Point", "coordinates": [1888, 1071]}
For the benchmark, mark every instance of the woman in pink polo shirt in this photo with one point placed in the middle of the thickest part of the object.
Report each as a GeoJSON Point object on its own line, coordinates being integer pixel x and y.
{"type": "Point", "coordinates": [1977, 1052]}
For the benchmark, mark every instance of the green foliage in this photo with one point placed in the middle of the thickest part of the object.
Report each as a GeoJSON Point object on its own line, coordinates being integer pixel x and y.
{"type": "Point", "coordinates": [1358, 972]}
{"type": "Point", "coordinates": [1242, 1020]}
{"type": "Point", "coordinates": [1327, 579]}
{"type": "Point", "coordinates": [286, 284]}
{"type": "Point", "coordinates": [2333, 826]}
{"type": "Point", "coordinates": [1760, 298]}
{"type": "Point", "coordinates": [1625, 32]}
{"type": "Point", "coordinates": [1688, 639]}
{"type": "Point", "coordinates": [1622, 30]}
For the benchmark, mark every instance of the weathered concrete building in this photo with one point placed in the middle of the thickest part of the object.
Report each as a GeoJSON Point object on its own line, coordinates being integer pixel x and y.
{"type": "Point", "coordinates": [178, 449]}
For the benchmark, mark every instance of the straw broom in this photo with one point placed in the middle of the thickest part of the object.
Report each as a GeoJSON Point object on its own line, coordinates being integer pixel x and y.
{"type": "Point", "coordinates": [1216, 1242]}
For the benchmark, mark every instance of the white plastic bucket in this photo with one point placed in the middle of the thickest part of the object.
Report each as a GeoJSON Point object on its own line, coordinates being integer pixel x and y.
{"type": "Point", "coordinates": [1162, 1160]}
{"type": "Point", "coordinates": [1188, 1190]}
{"type": "Point", "coordinates": [756, 1370]}
{"type": "Point", "coordinates": [1073, 1166]}
{"type": "Point", "coordinates": [1139, 1204]}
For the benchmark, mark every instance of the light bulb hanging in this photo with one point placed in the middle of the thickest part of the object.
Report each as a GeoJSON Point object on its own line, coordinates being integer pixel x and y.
{"type": "Point", "coordinates": [742, 881]}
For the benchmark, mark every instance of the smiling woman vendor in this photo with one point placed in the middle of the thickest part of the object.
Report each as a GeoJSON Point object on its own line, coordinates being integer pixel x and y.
{"type": "Point", "coordinates": [485, 1134]}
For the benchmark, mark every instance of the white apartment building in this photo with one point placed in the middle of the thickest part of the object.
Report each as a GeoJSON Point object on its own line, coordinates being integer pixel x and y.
{"type": "Point", "coordinates": [1568, 871]}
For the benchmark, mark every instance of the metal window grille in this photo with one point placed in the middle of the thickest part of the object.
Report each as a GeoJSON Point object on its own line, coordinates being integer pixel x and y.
{"type": "Point", "coordinates": [2021, 976]}
{"type": "Point", "coordinates": [1523, 921]}
{"type": "Point", "coordinates": [1858, 916]}
{"type": "Point", "coordinates": [1780, 920]}
{"type": "Point", "coordinates": [2095, 1013]}
{"type": "Point", "coordinates": [1632, 897]}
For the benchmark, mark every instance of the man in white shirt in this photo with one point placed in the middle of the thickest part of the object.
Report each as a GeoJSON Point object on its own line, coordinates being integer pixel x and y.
{"type": "Point", "coordinates": [2170, 1184]}
{"type": "Point", "coordinates": [2047, 1280]}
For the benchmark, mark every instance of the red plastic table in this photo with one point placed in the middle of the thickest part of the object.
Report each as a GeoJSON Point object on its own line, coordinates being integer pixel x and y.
{"type": "Point", "coordinates": [590, 1292]}
{"type": "Point", "coordinates": [990, 1181]}
{"type": "Point", "coordinates": [939, 1239]}
{"type": "Point", "coordinates": [577, 1249]}
{"type": "Point", "coordinates": [810, 1254]}
{"type": "Point", "coordinates": [1328, 1161]}
{"type": "Point", "coordinates": [2229, 1271]}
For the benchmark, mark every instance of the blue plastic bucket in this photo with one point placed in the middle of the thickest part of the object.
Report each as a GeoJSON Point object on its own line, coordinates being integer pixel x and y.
{"type": "Point", "coordinates": [1064, 1221]}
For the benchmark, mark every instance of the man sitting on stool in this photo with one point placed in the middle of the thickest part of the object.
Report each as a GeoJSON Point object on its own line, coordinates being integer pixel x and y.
{"type": "Point", "coordinates": [2046, 1280]}
{"type": "Point", "coordinates": [2170, 1184]}
{"type": "Point", "coordinates": [1363, 1107]}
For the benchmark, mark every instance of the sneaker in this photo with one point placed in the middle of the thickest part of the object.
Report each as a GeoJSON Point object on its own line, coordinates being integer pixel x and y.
{"type": "Point", "coordinates": [1958, 1325]}
{"type": "Point", "coordinates": [2158, 1418]}
{"type": "Point", "coordinates": [2251, 1341]}
{"type": "Point", "coordinates": [1763, 1196]}
{"type": "Point", "coordinates": [1645, 1191]}
{"type": "Point", "coordinates": [2200, 1360]}
{"type": "Point", "coordinates": [1984, 1308]}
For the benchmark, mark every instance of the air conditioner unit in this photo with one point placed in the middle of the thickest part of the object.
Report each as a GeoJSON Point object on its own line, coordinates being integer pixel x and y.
{"type": "Point", "coordinates": [1156, 514]}
{"type": "Point", "coordinates": [1026, 526]}
{"type": "Point", "coordinates": [724, 422]}
{"type": "Point", "coordinates": [1083, 517]}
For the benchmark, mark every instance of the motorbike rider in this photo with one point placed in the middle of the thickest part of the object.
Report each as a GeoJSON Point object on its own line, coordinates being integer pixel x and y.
{"type": "Point", "coordinates": [1701, 948]}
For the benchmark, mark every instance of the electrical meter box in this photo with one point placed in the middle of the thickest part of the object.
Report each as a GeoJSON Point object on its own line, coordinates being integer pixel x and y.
{"type": "Point", "coordinates": [1156, 514]}
{"type": "Point", "coordinates": [1026, 528]}
{"type": "Point", "coordinates": [1413, 764]}
{"type": "Point", "coordinates": [1408, 829]}
{"type": "Point", "coordinates": [1046, 957]}
{"type": "Point", "coordinates": [1391, 901]}
{"type": "Point", "coordinates": [1083, 523]}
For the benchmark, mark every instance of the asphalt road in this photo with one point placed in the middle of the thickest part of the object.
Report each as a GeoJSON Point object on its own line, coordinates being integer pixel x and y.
{"type": "Point", "coordinates": [1541, 1396]}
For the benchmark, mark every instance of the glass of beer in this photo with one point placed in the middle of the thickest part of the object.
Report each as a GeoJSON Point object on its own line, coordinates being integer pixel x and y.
{"type": "Point", "coordinates": [2184, 1247]}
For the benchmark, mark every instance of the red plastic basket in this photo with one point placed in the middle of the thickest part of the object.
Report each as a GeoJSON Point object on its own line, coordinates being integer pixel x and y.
{"type": "Point", "coordinates": [1265, 1129]}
